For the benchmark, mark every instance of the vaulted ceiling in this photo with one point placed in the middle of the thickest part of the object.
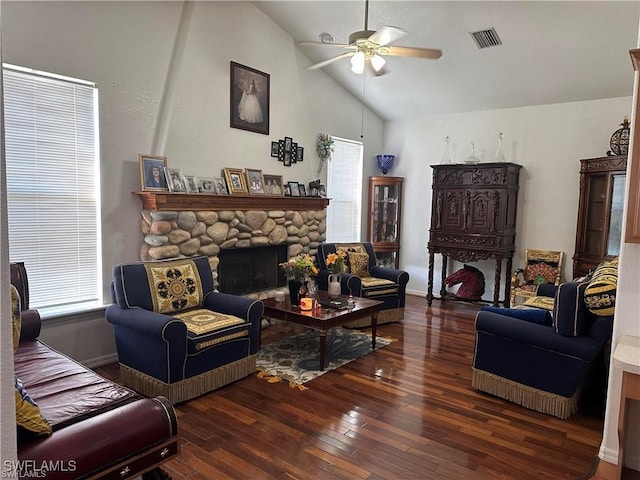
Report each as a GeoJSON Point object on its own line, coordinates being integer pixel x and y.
{"type": "Point", "coordinates": [551, 52]}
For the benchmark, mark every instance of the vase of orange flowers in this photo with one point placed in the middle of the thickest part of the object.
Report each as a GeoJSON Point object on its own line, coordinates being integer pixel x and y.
{"type": "Point", "coordinates": [297, 271]}
{"type": "Point", "coordinates": [335, 263]}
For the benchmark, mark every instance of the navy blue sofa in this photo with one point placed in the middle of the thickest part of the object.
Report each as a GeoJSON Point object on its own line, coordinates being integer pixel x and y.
{"type": "Point", "coordinates": [541, 363]}
{"type": "Point", "coordinates": [175, 335]}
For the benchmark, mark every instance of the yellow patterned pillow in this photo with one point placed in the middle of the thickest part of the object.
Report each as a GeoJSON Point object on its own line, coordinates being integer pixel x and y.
{"type": "Point", "coordinates": [346, 248]}
{"type": "Point", "coordinates": [600, 295]}
{"type": "Point", "coordinates": [539, 302]}
{"type": "Point", "coordinates": [206, 321]}
{"type": "Point", "coordinates": [28, 414]}
{"type": "Point", "coordinates": [359, 263]}
{"type": "Point", "coordinates": [15, 317]}
{"type": "Point", "coordinates": [174, 286]}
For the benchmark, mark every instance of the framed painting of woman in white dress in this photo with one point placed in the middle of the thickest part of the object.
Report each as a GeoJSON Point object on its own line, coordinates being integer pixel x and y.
{"type": "Point", "coordinates": [249, 99]}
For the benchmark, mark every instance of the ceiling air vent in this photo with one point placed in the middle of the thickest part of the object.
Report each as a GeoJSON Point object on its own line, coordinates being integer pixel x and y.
{"type": "Point", "coordinates": [486, 38]}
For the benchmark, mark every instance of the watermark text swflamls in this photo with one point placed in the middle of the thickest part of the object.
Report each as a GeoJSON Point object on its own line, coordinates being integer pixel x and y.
{"type": "Point", "coordinates": [35, 469]}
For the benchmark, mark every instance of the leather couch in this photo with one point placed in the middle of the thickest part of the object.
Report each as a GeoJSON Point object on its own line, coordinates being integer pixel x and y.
{"type": "Point", "coordinates": [100, 430]}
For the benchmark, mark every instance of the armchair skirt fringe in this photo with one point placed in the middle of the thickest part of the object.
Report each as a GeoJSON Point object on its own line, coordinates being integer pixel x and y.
{"type": "Point", "coordinates": [528, 397]}
{"type": "Point", "coordinates": [191, 387]}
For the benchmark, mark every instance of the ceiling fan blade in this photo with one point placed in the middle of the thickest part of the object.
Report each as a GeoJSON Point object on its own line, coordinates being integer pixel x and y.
{"type": "Point", "coordinates": [387, 34]}
{"type": "Point", "coordinates": [329, 60]}
{"type": "Point", "coordinates": [320, 44]}
{"type": "Point", "coordinates": [414, 52]}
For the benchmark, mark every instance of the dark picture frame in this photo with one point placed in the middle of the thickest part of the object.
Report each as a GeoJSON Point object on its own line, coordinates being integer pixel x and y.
{"type": "Point", "coordinates": [295, 188]}
{"type": "Point", "coordinates": [302, 189]}
{"type": "Point", "coordinates": [249, 98]}
{"type": "Point", "coordinates": [300, 155]}
{"type": "Point", "coordinates": [275, 146]}
{"type": "Point", "coordinates": [152, 176]}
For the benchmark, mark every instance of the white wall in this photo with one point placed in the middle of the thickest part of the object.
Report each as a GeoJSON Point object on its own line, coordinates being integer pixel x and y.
{"type": "Point", "coordinates": [548, 141]}
{"type": "Point", "coordinates": [163, 75]}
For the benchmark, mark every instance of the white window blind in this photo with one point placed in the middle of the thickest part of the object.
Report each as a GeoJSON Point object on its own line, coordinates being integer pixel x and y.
{"type": "Point", "coordinates": [51, 142]}
{"type": "Point", "coordinates": [344, 188]}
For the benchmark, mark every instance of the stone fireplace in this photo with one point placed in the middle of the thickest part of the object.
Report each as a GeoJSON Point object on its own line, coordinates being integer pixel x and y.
{"type": "Point", "coordinates": [178, 225]}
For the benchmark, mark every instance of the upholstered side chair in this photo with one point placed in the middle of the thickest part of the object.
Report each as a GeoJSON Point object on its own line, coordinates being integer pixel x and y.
{"type": "Point", "coordinates": [540, 267]}
{"type": "Point", "coordinates": [362, 277]}
{"type": "Point", "coordinates": [175, 335]}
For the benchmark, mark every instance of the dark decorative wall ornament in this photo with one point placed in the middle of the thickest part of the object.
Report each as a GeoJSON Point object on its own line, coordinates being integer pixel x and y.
{"type": "Point", "coordinates": [287, 151]}
{"type": "Point", "coordinates": [619, 142]}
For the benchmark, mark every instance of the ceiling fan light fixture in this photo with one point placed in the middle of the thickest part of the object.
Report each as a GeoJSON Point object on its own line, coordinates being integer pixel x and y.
{"type": "Point", "coordinates": [377, 62]}
{"type": "Point", "coordinates": [357, 63]}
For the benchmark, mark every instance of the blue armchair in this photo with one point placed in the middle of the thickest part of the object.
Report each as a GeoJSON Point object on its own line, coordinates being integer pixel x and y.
{"type": "Point", "coordinates": [364, 278]}
{"type": "Point", "coordinates": [175, 335]}
{"type": "Point", "coordinates": [542, 361]}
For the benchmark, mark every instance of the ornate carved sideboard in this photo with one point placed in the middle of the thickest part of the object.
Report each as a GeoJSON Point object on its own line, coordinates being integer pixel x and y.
{"type": "Point", "coordinates": [473, 217]}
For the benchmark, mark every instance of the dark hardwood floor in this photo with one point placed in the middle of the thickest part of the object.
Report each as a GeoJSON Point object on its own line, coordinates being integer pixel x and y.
{"type": "Point", "coordinates": [406, 411]}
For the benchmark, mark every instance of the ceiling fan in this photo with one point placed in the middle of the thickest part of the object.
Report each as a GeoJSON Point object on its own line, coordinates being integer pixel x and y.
{"type": "Point", "coordinates": [367, 48]}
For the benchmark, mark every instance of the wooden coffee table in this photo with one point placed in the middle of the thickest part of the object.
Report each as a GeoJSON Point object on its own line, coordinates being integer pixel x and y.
{"type": "Point", "coordinates": [323, 319]}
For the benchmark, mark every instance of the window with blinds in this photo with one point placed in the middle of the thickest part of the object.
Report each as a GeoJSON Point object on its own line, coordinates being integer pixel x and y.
{"type": "Point", "coordinates": [344, 188]}
{"type": "Point", "coordinates": [52, 165]}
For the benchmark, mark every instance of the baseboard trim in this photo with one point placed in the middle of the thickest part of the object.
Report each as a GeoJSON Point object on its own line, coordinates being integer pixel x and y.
{"type": "Point", "coordinates": [101, 361]}
{"type": "Point", "coordinates": [610, 456]}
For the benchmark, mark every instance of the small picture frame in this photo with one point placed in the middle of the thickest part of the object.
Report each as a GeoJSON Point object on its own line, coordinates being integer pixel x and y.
{"type": "Point", "coordinates": [206, 185]}
{"type": "Point", "coordinates": [152, 172]}
{"type": "Point", "coordinates": [255, 181]}
{"type": "Point", "coordinates": [175, 180]}
{"type": "Point", "coordinates": [235, 181]}
{"type": "Point", "coordinates": [288, 142]}
{"type": "Point", "coordinates": [300, 155]}
{"type": "Point", "coordinates": [273, 185]}
{"type": "Point", "coordinates": [191, 182]}
{"type": "Point", "coordinates": [295, 189]}
{"type": "Point", "coordinates": [322, 190]}
{"type": "Point", "coordinates": [275, 146]}
{"type": "Point", "coordinates": [287, 159]}
{"type": "Point", "coordinates": [303, 190]}
{"type": "Point", "coordinates": [287, 190]}
{"type": "Point", "coordinates": [220, 186]}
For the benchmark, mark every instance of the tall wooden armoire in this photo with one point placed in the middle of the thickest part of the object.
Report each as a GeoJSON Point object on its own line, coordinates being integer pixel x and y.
{"type": "Point", "coordinates": [473, 217]}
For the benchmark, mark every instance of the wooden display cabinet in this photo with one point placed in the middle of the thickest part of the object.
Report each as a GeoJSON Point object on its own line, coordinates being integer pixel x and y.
{"type": "Point", "coordinates": [385, 213]}
{"type": "Point", "coordinates": [601, 201]}
{"type": "Point", "coordinates": [473, 217]}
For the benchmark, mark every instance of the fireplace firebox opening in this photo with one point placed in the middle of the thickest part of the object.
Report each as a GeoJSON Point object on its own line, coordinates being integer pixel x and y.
{"type": "Point", "coordinates": [250, 270]}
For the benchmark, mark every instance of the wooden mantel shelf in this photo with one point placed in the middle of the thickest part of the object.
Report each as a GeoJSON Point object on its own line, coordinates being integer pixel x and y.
{"type": "Point", "coordinates": [200, 201]}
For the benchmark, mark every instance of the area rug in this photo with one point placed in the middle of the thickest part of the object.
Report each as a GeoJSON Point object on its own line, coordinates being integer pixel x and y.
{"type": "Point", "coordinates": [297, 359]}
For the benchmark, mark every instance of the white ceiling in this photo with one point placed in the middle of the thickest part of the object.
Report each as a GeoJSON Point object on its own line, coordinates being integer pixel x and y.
{"type": "Point", "coordinates": [552, 52]}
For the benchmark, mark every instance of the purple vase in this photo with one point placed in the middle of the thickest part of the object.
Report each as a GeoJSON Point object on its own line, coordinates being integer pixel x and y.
{"type": "Point", "coordinates": [385, 162]}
